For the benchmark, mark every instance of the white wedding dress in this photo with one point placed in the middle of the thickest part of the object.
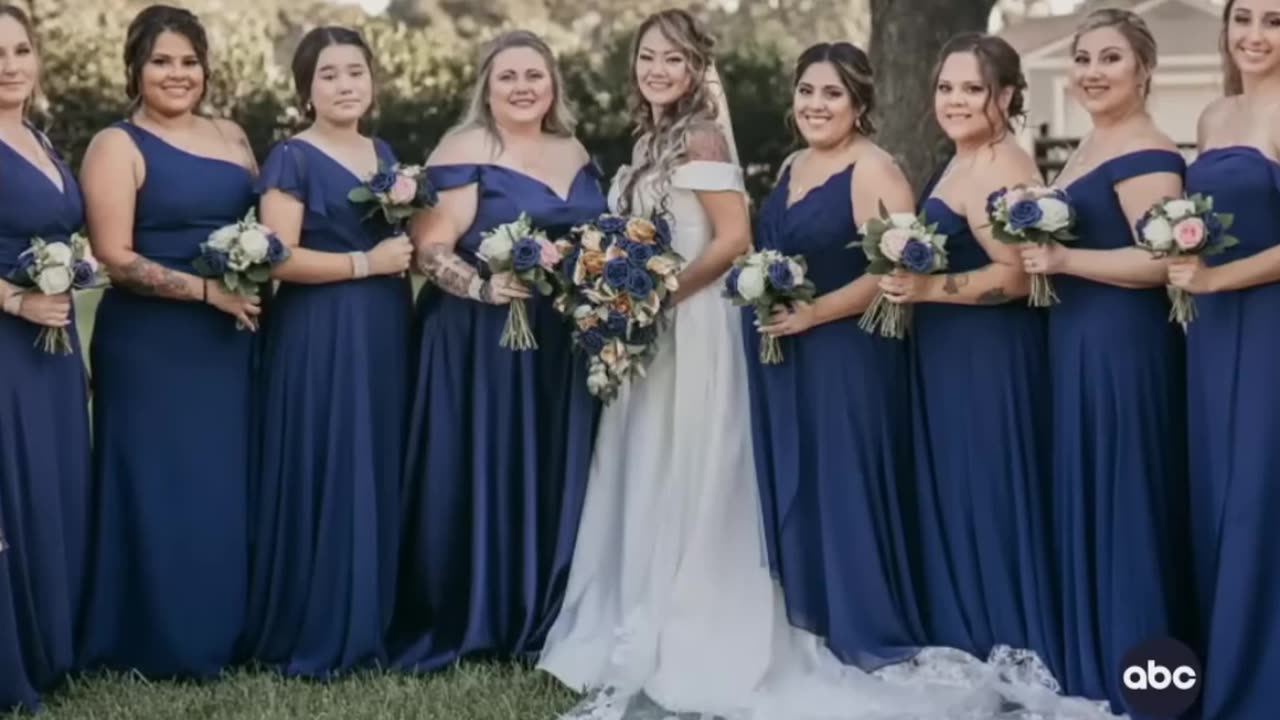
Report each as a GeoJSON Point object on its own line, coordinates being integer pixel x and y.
{"type": "Point", "coordinates": [671, 610]}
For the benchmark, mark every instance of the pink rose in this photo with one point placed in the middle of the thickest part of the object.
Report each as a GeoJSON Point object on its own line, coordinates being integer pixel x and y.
{"type": "Point", "coordinates": [404, 191]}
{"type": "Point", "coordinates": [1189, 233]}
{"type": "Point", "coordinates": [550, 253]}
{"type": "Point", "coordinates": [893, 241]}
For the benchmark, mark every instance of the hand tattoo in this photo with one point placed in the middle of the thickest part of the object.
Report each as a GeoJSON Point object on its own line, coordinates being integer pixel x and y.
{"type": "Point", "coordinates": [149, 278]}
{"type": "Point", "coordinates": [952, 284]}
{"type": "Point", "coordinates": [448, 271]}
{"type": "Point", "coordinates": [994, 296]}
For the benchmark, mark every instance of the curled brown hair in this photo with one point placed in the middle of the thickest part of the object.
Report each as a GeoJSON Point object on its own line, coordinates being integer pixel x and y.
{"type": "Point", "coordinates": [1000, 67]}
{"type": "Point", "coordinates": [854, 70]}
{"type": "Point", "coordinates": [140, 41]}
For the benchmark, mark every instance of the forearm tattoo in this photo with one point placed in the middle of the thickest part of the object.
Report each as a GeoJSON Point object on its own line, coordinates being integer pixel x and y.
{"type": "Point", "coordinates": [148, 278]}
{"type": "Point", "coordinates": [952, 284]}
{"type": "Point", "coordinates": [994, 296]}
{"type": "Point", "coordinates": [450, 272]}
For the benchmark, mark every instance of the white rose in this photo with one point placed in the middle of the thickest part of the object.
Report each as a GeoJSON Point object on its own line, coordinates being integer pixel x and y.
{"type": "Point", "coordinates": [54, 280]}
{"type": "Point", "coordinates": [58, 253]}
{"type": "Point", "coordinates": [496, 247]}
{"type": "Point", "coordinates": [254, 244]}
{"type": "Point", "coordinates": [1158, 233]}
{"type": "Point", "coordinates": [1055, 214]}
{"type": "Point", "coordinates": [222, 238]}
{"type": "Point", "coordinates": [1178, 209]}
{"type": "Point", "coordinates": [750, 283]}
{"type": "Point", "coordinates": [902, 220]}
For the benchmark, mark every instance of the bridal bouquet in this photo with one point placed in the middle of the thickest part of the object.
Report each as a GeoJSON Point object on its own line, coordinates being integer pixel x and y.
{"type": "Point", "coordinates": [1184, 226]}
{"type": "Point", "coordinates": [57, 267]}
{"type": "Point", "coordinates": [898, 241]}
{"type": "Point", "coordinates": [525, 252]}
{"type": "Point", "coordinates": [764, 280]}
{"type": "Point", "coordinates": [397, 191]}
{"type": "Point", "coordinates": [618, 277]}
{"type": "Point", "coordinates": [1032, 214]}
{"type": "Point", "coordinates": [240, 256]}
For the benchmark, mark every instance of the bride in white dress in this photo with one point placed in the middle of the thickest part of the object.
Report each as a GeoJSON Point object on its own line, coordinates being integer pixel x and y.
{"type": "Point", "coordinates": [670, 605]}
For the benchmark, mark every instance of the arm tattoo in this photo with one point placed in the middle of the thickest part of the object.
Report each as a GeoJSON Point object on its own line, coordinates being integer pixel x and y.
{"type": "Point", "coordinates": [952, 284]}
{"type": "Point", "coordinates": [706, 142]}
{"type": "Point", "coordinates": [148, 278]}
{"type": "Point", "coordinates": [995, 296]}
{"type": "Point", "coordinates": [448, 271]}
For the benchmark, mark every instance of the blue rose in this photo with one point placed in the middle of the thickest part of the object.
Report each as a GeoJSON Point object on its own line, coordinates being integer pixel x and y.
{"type": "Point", "coordinates": [639, 254]}
{"type": "Point", "coordinates": [82, 274]}
{"type": "Point", "coordinates": [276, 251]}
{"type": "Point", "coordinates": [640, 284]}
{"type": "Point", "coordinates": [526, 254]}
{"type": "Point", "coordinates": [731, 282]}
{"type": "Point", "coordinates": [382, 181]}
{"type": "Point", "coordinates": [591, 341]}
{"type": "Point", "coordinates": [917, 257]}
{"type": "Point", "coordinates": [1024, 214]}
{"type": "Point", "coordinates": [1212, 226]}
{"type": "Point", "coordinates": [780, 276]}
{"type": "Point", "coordinates": [616, 325]}
{"type": "Point", "coordinates": [617, 272]}
{"type": "Point", "coordinates": [216, 263]}
{"type": "Point", "coordinates": [611, 224]}
{"type": "Point", "coordinates": [663, 238]}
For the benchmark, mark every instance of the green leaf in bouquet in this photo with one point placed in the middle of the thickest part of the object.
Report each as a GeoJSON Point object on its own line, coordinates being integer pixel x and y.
{"type": "Point", "coordinates": [201, 266]}
{"type": "Point", "coordinates": [544, 287]}
{"type": "Point", "coordinates": [258, 274]}
{"type": "Point", "coordinates": [360, 194]}
{"type": "Point", "coordinates": [231, 281]}
{"type": "Point", "coordinates": [880, 266]}
{"type": "Point", "coordinates": [1226, 220]}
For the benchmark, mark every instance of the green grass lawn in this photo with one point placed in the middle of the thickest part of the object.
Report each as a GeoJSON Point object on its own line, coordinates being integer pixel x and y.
{"type": "Point", "coordinates": [469, 692]}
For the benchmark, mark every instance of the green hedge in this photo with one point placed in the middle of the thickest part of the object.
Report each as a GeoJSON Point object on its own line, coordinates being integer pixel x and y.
{"type": "Point", "coordinates": [425, 81]}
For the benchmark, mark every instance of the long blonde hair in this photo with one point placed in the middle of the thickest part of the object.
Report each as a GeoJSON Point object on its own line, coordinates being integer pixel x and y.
{"type": "Point", "coordinates": [558, 121]}
{"type": "Point", "coordinates": [1232, 83]}
{"type": "Point", "coordinates": [663, 139]}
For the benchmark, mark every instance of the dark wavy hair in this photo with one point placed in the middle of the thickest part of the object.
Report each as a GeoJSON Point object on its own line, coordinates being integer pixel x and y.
{"type": "Point", "coordinates": [854, 69]}
{"type": "Point", "coordinates": [1000, 67]}
{"type": "Point", "coordinates": [140, 41]}
{"type": "Point", "coordinates": [307, 57]}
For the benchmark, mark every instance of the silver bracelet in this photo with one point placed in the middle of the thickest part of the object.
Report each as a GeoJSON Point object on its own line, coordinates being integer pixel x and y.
{"type": "Point", "coordinates": [359, 265]}
{"type": "Point", "coordinates": [13, 303]}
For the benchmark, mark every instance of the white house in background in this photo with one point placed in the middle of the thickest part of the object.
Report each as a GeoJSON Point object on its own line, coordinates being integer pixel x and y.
{"type": "Point", "coordinates": [1188, 77]}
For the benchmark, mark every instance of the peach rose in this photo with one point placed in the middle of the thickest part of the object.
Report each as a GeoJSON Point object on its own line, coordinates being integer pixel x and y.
{"type": "Point", "coordinates": [1189, 233]}
{"type": "Point", "coordinates": [404, 191]}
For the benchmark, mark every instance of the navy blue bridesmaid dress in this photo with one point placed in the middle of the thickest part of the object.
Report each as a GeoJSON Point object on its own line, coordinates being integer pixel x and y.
{"type": "Point", "coordinates": [1233, 396]}
{"type": "Point", "coordinates": [499, 450]}
{"type": "Point", "coordinates": [334, 389]}
{"type": "Point", "coordinates": [172, 385]}
{"type": "Point", "coordinates": [1119, 463]}
{"type": "Point", "coordinates": [832, 441]}
{"type": "Point", "coordinates": [44, 453]}
{"type": "Point", "coordinates": [980, 430]}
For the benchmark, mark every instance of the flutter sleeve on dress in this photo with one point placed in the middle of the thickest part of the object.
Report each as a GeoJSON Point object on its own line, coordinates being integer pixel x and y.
{"type": "Point", "coordinates": [451, 177]}
{"type": "Point", "coordinates": [708, 176]}
{"type": "Point", "coordinates": [286, 170]}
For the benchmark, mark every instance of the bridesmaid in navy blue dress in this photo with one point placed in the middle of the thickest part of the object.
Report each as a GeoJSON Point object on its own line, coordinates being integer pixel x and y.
{"type": "Point", "coordinates": [334, 383]}
{"type": "Point", "coordinates": [172, 374]}
{"type": "Point", "coordinates": [44, 421]}
{"type": "Point", "coordinates": [831, 425]}
{"type": "Point", "coordinates": [1233, 388]}
{"type": "Point", "coordinates": [1117, 372]}
{"type": "Point", "coordinates": [980, 383]}
{"type": "Point", "coordinates": [500, 441]}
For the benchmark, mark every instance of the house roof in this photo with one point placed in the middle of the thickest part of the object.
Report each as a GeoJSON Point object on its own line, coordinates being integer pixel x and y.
{"type": "Point", "coordinates": [1182, 27]}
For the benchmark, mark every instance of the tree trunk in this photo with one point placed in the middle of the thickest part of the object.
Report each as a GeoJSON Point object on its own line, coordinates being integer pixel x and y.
{"type": "Point", "coordinates": [906, 37]}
